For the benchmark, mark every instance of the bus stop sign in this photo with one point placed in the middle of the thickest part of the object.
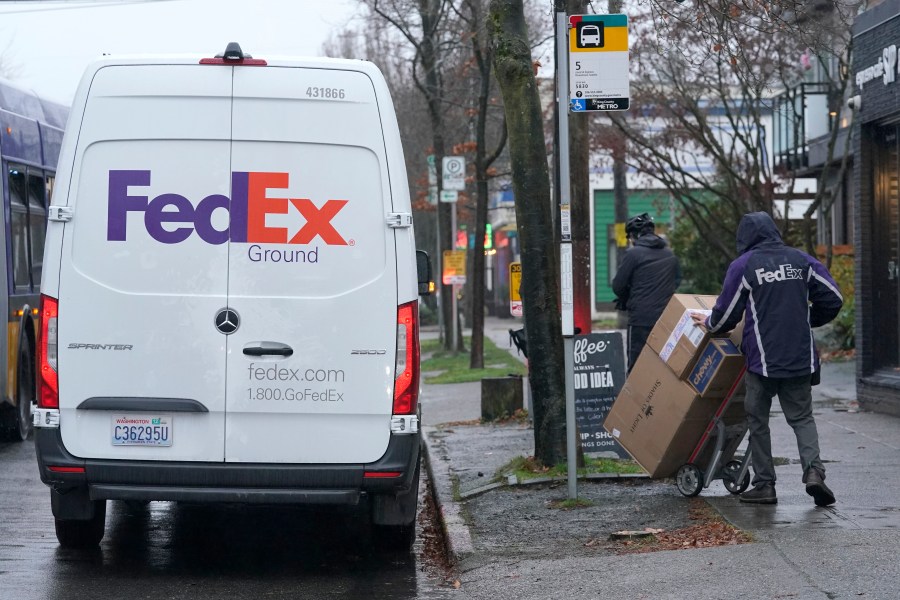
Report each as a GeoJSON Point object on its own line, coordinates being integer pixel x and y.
{"type": "Point", "coordinates": [598, 63]}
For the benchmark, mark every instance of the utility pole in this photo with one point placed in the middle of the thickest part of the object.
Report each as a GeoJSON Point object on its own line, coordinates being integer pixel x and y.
{"type": "Point", "coordinates": [565, 245]}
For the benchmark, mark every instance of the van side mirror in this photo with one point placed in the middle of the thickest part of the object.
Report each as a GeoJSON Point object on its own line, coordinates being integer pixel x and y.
{"type": "Point", "coordinates": [423, 269]}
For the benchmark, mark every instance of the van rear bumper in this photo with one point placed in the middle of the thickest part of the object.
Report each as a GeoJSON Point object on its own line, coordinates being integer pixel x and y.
{"type": "Point", "coordinates": [227, 482]}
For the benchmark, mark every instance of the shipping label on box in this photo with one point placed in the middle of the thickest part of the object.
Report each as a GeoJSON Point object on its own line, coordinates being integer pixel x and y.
{"type": "Point", "coordinates": [717, 369]}
{"type": "Point", "coordinates": [675, 338]}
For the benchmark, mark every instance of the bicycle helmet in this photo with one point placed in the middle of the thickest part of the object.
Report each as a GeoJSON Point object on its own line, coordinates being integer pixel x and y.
{"type": "Point", "coordinates": [639, 225]}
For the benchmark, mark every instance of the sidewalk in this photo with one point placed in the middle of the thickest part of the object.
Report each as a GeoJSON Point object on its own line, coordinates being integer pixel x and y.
{"type": "Point", "coordinates": [509, 541]}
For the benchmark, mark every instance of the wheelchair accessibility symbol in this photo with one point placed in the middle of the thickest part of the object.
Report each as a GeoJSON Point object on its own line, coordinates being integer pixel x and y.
{"type": "Point", "coordinates": [577, 105]}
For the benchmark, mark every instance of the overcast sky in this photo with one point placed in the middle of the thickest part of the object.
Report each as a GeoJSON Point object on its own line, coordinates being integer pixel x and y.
{"type": "Point", "coordinates": [46, 45]}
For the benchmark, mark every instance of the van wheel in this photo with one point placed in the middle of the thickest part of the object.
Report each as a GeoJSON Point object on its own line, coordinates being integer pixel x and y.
{"type": "Point", "coordinates": [398, 536]}
{"type": "Point", "coordinates": [395, 538]}
{"type": "Point", "coordinates": [83, 534]}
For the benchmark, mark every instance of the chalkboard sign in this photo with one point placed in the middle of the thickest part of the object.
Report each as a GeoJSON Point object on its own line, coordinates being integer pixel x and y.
{"type": "Point", "coordinates": [599, 376]}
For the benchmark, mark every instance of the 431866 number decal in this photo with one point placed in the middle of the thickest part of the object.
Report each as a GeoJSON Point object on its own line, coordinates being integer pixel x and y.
{"type": "Point", "coordinates": [326, 92]}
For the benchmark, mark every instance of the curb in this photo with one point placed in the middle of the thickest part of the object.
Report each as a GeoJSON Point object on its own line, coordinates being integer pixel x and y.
{"type": "Point", "coordinates": [456, 532]}
{"type": "Point", "coordinates": [513, 481]}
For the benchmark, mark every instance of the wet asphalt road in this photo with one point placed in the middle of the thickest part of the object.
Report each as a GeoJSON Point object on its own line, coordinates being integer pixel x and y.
{"type": "Point", "coordinates": [168, 550]}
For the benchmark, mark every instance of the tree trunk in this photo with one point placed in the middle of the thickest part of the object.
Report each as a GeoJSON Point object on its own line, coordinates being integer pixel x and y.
{"type": "Point", "coordinates": [579, 165]}
{"type": "Point", "coordinates": [476, 358]}
{"type": "Point", "coordinates": [540, 266]}
{"type": "Point", "coordinates": [620, 179]}
{"type": "Point", "coordinates": [429, 12]}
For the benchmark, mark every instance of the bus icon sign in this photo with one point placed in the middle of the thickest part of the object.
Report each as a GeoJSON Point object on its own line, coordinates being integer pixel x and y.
{"type": "Point", "coordinates": [598, 62]}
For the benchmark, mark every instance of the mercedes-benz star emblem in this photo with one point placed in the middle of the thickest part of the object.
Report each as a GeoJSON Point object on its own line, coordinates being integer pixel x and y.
{"type": "Point", "coordinates": [227, 321]}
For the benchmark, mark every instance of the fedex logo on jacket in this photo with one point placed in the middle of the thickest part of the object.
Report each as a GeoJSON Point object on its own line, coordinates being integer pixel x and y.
{"type": "Point", "coordinates": [171, 218]}
{"type": "Point", "coordinates": [783, 273]}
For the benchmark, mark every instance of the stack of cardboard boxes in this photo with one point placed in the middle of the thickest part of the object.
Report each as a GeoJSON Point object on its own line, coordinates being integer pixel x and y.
{"type": "Point", "coordinates": [675, 388]}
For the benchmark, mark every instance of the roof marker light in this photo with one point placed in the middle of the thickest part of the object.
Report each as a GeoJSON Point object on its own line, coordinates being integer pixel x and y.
{"type": "Point", "coordinates": [233, 55]}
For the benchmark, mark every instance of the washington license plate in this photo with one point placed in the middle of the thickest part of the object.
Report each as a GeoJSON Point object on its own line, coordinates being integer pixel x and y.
{"type": "Point", "coordinates": [141, 430]}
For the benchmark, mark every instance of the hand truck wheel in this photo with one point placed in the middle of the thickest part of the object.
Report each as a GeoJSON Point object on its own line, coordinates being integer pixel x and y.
{"type": "Point", "coordinates": [730, 474]}
{"type": "Point", "coordinates": [689, 480]}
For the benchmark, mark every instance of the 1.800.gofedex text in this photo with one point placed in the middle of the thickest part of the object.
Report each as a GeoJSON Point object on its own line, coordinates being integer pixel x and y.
{"type": "Point", "coordinates": [291, 394]}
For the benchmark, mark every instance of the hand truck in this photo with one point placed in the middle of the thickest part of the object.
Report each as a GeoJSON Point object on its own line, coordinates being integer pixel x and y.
{"type": "Point", "coordinates": [728, 427]}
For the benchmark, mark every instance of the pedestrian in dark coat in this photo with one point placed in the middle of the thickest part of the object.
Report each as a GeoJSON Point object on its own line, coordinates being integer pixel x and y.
{"type": "Point", "coordinates": [781, 293]}
{"type": "Point", "coordinates": [645, 281]}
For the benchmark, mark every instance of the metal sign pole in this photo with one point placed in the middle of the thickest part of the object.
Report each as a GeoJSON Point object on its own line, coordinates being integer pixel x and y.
{"type": "Point", "coordinates": [565, 247]}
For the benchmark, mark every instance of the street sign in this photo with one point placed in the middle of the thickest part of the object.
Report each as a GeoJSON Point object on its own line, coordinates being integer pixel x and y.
{"type": "Point", "coordinates": [432, 195]}
{"type": "Point", "coordinates": [454, 267]}
{"type": "Point", "coordinates": [432, 171]}
{"type": "Point", "coordinates": [449, 195]}
{"type": "Point", "coordinates": [598, 63]}
{"type": "Point", "coordinates": [454, 173]}
{"type": "Point", "coordinates": [515, 289]}
{"type": "Point", "coordinates": [599, 375]}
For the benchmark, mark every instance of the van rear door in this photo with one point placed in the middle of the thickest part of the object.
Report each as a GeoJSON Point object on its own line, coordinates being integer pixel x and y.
{"type": "Point", "coordinates": [311, 366]}
{"type": "Point", "coordinates": [145, 265]}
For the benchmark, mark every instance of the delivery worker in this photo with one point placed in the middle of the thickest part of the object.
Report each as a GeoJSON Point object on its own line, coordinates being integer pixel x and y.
{"type": "Point", "coordinates": [781, 292]}
{"type": "Point", "coordinates": [645, 281]}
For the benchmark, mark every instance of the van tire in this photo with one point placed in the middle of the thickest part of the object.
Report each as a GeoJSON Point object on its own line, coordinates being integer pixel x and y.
{"type": "Point", "coordinates": [398, 537]}
{"type": "Point", "coordinates": [83, 534]}
{"type": "Point", "coordinates": [395, 538]}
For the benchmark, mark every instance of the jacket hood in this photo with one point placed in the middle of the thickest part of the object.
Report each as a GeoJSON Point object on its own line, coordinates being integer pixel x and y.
{"type": "Point", "coordinates": [756, 230]}
{"type": "Point", "coordinates": [650, 240]}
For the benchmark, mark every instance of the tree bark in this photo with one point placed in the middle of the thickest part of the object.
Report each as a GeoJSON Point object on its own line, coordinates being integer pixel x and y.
{"type": "Point", "coordinates": [579, 165]}
{"type": "Point", "coordinates": [430, 12]}
{"type": "Point", "coordinates": [540, 266]}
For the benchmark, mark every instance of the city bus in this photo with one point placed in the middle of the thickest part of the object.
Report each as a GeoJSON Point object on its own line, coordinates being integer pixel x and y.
{"type": "Point", "coordinates": [31, 130]}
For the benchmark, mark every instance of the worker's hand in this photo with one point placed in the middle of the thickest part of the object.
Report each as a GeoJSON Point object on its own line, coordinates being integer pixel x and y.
{"type": "Point", "coordinates": [700, 320]}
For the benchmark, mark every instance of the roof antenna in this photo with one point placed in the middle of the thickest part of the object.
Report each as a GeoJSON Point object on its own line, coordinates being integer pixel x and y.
{"type": "Point", "coordinates": [233, 52]}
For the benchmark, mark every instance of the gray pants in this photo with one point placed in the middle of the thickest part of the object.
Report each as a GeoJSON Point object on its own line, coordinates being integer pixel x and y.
{"type": "Point", "coordinates": [795, 396]}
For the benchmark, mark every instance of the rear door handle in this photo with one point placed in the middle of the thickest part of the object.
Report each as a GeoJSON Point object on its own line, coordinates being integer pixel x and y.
{"type": "Point", "coordinates": [267, 349]}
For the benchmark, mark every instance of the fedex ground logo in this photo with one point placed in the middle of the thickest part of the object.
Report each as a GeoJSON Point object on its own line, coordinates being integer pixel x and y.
{"type": "Point", "coordinates": [171, 218]}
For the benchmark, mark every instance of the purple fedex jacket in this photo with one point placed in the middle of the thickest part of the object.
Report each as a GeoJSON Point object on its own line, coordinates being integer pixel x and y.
{"type": "Point", "coordinates": [784, 292]}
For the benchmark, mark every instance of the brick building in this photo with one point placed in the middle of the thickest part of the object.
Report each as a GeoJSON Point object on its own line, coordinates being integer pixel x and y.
{"type": "Point", "coordinates": [876, 223]}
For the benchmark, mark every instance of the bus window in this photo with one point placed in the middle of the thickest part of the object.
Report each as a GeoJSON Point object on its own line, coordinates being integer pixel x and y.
{"type": "Point", "coordinates": [50, 181]}
{"type": "Point", "coordinates": [37, 224]}
{"type": "Point", "coordinates": [19, 228]}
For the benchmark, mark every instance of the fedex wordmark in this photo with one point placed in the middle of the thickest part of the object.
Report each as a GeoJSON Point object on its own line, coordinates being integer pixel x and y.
{"type": "Point", "coordinates": [247, 209]}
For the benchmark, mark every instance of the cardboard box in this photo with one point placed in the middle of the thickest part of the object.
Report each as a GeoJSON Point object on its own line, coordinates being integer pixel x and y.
{"type": "Point", "coordinates": [718, 366]}
{"type": "Point", "coordinates": [657, 417]}
{"type": "Point", "coordinates": [675, 338]}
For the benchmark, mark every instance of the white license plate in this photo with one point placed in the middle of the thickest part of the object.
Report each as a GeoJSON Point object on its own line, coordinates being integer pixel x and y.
{"type": "Point", "coordinates": [141, 430]}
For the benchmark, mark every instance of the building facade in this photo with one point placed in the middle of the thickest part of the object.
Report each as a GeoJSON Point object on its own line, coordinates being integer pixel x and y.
{"type": "Point", "coordinates": [876, 145]}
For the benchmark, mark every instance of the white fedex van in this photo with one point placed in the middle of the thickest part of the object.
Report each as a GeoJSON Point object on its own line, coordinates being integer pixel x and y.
{"type": "Point", "coordinates": [229, 304]}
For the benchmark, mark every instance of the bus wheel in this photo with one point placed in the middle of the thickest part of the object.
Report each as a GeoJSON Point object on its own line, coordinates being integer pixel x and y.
{"type": "Point", "coordinates": [24, 398]}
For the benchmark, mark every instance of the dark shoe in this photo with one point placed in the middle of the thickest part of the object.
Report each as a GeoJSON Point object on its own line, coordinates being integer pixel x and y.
{"type": "Point", "coordinates": [815, 487]}
{"type": "Point", "coordinates": [762, 493]}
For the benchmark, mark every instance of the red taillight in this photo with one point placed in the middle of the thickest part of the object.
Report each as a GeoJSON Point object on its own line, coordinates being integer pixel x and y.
{"type": "Point", "coordinates": [406, 385]}
{"type": "Point", "coordinates": [381, 474]}
{"type": "Point", "coordinates": [66, 469]}
{"type": "Point", "coordinates": [48, 380]}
